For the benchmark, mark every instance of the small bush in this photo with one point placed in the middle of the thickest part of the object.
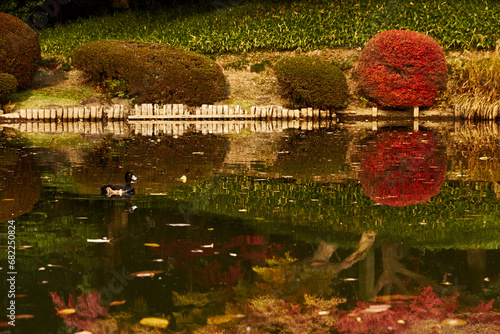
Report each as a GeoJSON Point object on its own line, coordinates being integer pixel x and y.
{"type": "Point", "coordinates": [402, 69]}
{"type": "Point", "coordinates": [19, 49]}
{"type": "Point", "coordinates": [8, 84]}
{"type": "Point", "coordinates": [152, 72]}
{"type": "Point", "coordinates": [312, 82]}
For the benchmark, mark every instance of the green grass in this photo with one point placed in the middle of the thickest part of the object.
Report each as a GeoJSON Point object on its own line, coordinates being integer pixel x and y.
{"type": "Point", "coordinates": [36, 98]}
{"type": "Point", "coordinates": [48, 140]}
{"type": "Point", "coordinates": [288, 25]}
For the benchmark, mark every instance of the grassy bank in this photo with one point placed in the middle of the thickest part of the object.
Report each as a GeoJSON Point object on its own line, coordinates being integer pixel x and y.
{"type": "Point", "coordinates": [273, 25]}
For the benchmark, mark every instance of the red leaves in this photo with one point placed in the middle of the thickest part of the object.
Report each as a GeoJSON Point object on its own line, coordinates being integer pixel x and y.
{"type": "Point", "coordinates": [88, 309]}
{"type": "Point", "coordinates": [399, 317]}
{"type": "Point", "coordinates": [402, 69]}
{"type": "Point", "coordinates": [402, 168]}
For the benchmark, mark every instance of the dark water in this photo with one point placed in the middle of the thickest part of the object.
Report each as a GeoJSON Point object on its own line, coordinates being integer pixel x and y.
{"type": "Point", "coordinates": [406, 208]}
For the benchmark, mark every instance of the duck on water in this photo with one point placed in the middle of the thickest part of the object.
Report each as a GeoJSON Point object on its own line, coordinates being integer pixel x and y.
{"type": "Point", "coordinates": [124, 190]}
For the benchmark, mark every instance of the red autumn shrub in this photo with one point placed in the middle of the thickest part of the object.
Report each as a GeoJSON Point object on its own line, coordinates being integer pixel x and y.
{"type": "Point", "coordinates": [402, 69]}
{"type": "Point", "coordinates": [402, 168]}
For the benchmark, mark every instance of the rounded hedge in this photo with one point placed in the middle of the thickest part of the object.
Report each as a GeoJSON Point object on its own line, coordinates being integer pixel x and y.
{"type": "Point", "coordinates": [19, 49]}
{"type": "Point", "coordinates": [151, 72]}
{"type": "Point", "coordinates": [312, 82]}
{"type": "Point", "coordinates": [8, 84]}
{"type": "Point", "coordinates": [401, 69]}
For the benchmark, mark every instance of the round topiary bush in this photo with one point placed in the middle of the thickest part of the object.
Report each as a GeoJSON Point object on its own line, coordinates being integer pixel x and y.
{"type": "Point", "coordinates": [19, 49]}
{"type": "Point", "coordinates": [8, 84]}
{"type": "Point", "coordinates": [150, 72]}
{"type": "Point", "coordinates": [402, 69]}
{"type": "Point", "coordinates": [312, 82]}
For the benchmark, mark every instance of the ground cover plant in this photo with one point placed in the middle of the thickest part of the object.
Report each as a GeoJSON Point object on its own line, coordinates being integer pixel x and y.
{"type": "Point", "coordinates": [286, 25]}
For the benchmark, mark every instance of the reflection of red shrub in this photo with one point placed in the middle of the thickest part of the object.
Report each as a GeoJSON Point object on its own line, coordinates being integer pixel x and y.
{"type": "Point", "coordinates": [402, 168]}
{"type": "Point", "coordinates": [88, 309]}
{"type": "Point", "coordinates": [402, 69]}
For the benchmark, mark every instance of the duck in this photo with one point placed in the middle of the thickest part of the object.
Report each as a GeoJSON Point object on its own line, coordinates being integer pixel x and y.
{"type": "Point", "coordinates": [123, 190]}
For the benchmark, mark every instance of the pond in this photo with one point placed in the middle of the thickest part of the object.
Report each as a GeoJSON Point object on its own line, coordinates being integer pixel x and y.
{"type": "Point", "coordinates": [223, 224]}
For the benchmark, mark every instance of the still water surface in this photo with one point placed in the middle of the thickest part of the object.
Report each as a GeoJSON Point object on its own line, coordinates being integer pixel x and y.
{"type": "Point", "coordinates": [370, 213]}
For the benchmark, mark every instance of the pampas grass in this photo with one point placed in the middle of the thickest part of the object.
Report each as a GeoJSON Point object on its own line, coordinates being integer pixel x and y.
{"type": "Point", "coordinates": [474, 85]}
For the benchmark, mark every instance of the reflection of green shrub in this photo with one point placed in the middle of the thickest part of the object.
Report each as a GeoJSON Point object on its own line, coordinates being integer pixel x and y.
{"type": "Point", "coordinates": [19, 49]}
{"type": "Point", "coordinates": [312, 82]}
{"type": "Point", "coordinates": [152, 72]}
{"type": "Point", "coordinates": [8, 84]}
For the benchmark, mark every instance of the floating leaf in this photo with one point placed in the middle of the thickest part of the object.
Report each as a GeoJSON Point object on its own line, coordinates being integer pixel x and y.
{"type": "Point", "coordinates": [147, 273]}
{"type": "Point", "coordinates": [154, 322]}
{"type": "Point", "coordinates": [24, 316]}
{"type": "Point", "coordinates": [103, 240]}
{"type": "Point", "coordinates": [376, 308]}
{"type": "Point", "coordinates": [454, 322]}
{"type": "Point", "coordinates": [66, 311]}
{"type": "Point", "coordinates": [389, 298]}
{"type": "Point", "coordinates": [317, 264]}
{"type": "Point", "coordinates": [117, 302]}
{"type": "Point", "coordinates": [221, 319]}
{"type": "Point", "coordinates": [151, 244]}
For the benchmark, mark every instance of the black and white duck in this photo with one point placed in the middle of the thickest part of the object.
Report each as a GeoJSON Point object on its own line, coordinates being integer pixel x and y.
{"type": "Point", "coordinates": [124, 190]}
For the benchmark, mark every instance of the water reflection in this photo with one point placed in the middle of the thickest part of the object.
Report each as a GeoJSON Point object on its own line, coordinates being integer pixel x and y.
{"type": "Point", "coordinates": [265, 221]}
{"type": "Point", "coordinates": [401, 168]}
{"type": "Point", "coordinates": [20, 183]}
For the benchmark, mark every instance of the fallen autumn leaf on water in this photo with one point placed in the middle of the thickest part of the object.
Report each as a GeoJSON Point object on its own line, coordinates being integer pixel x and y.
{"type": "Point", "coordinates": [66, 311]}
{"type": "Point", "coordinates": [154, 322]}
{"type": "Point", "coordinates": [147, 273]}
{"type": "Point", "coordinates": [117, 302]}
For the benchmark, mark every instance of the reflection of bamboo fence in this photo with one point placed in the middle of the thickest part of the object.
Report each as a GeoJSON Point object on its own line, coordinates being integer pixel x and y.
{"type": "Point", "coordinates": [222, 127]}
{"type": "Point", "coordinates": [178, 111]}
{"type": "Point", "coordinates": [81, 127]}
{"type": "Point", "coordinates": [175, 128]}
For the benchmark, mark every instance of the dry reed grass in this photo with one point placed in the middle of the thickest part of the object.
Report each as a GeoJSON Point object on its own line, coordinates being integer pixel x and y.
{"type": "Point", "coordinates": [474, 85]}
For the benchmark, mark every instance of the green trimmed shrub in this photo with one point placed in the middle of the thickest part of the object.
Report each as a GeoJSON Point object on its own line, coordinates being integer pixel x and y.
{"type": "Point", "coordinates": [8, 84]}
{"type": "Point", "coordinates": [402, 69]}
{"type": "Point", "coordinates": [19, 49]}
{"type": "Point", "coordinates": [312, 82]}
{"type": "Point", "coordinates": [151, 72]}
